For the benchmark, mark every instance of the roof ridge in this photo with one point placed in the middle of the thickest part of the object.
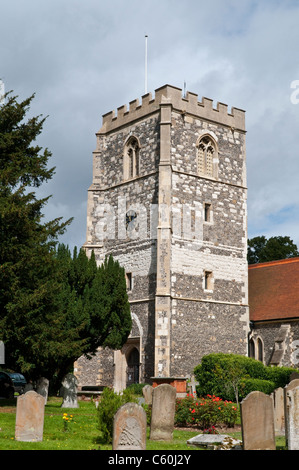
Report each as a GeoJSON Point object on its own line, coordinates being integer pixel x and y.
{"type": "Point", "coordinates": [274, 263]}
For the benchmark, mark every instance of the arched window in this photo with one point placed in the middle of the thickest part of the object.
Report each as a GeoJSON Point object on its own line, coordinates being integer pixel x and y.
{"type": "Point", "coordinates": [251, 348]}
{"type": "Point", "coordinates": [206, 153]}
{"type": "Point", "coordinates": [131, 158]}
{"type": "Point", "coordinates": [260, 350]}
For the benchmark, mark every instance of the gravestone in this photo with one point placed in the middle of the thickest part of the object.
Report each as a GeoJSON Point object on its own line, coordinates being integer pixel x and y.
{"type": "Point", "coordinates": [279, 420]}
{"type": "Point", "coordinates": [292, 418]}
{"type": "Point", "coordinates": [293, 384]}
{"type": "Point", "coordinates": [147, 392]}
{"type": "Point", "coordinates": [129, 428]}
{"type": "Point", "coordinates": [257, 420]}
{"type": "Point", "coordinates": [28, 387]}
{"type": "Point", "coordinates": [69, 391]}
{"type": "Point", "coordinates": [42, 388]}
{"type": "Point", "coordinates": [30, 417]}
{"type": "Point", "coordinates": [215, 442]}
{"type": "Point", "coordinates": [163, 411]}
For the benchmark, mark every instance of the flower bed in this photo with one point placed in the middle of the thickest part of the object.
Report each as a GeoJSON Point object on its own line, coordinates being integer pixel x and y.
{"type": "Point", "coordinates": [205, 412]}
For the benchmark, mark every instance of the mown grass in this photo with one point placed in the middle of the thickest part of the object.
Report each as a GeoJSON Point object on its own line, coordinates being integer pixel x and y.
{"type": "Point", "coordinates": [82, 434]}
{"type": "Point", "coordinates": [83, 431]}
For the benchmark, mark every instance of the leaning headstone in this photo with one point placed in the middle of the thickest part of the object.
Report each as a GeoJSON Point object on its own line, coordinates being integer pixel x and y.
{"type": "Point", "coordinates": [292, 419]}
{"type": "Point", "coordinates": [28, 387]}
{"type": "Point", "coordinates": [257, 420]}
{"type": "Point", "coordinates": [42, 388]}
{"type": "Point", "coordinates": [69, 391]}
{"type": "Point", "coordinates": [279, 421]}
{"type": "Point", "coordinates": [291, 386]}
{"type": "Point", "coordinates": [147, 392]}
{"type": "Point", "coordinates": [129, 428]}
{"type": "Point", "coordinates": [163, 411]}
{"type": "Point", "coordinates": [30, 417]}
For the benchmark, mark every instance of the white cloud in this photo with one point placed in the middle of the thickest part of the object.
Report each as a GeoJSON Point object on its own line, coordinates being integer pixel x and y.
{"type": "Point", "coordinates": [84, 59]}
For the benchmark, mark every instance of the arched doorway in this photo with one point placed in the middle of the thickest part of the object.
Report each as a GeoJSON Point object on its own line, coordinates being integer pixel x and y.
{"type": "Point", "coordinates": [133, 362]}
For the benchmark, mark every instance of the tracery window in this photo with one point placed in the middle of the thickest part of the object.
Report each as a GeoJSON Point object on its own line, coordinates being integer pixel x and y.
{"type": "Point", "coordinates": [206, 153]}
{"type": "Point", "coordinates": [131, 158]}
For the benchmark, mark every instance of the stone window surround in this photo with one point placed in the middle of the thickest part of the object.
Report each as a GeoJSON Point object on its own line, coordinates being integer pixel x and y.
{"type": "Point", "coordinates": [208, 213]}
{"type": "Point", "coordinates": [256, 345]}
{"type": "Point", "coordinates": [214, 140]}
{"type": "Point", "coordinates": [208, 281]}
{"type": "Point", "coordinates": [131, 169]}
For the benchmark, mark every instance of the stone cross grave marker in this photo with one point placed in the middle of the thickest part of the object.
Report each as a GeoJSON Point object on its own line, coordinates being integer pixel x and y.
{"type": "Point", "coordinates": [257, 420]}
{"type": "Point", "coordinates": [163, 411]}
{"type": "Point", "coordinates": [69, 391]}
{"type": "Point", "coordinates": [129, 428]}
{"type": "Point", "coordinates": [30, 417]}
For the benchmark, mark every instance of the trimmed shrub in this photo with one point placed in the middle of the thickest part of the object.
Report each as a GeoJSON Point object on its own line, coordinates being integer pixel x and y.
{"type": "Point", "coordinates": [251, 385]}
{"type": "Point", "coordinates": [225, 375]}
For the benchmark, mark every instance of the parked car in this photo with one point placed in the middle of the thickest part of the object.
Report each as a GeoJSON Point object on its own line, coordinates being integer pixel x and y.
{"type": "Point", "coordinates": [6, 386]}
{"type": "Point", "coordinates": [19, 381]}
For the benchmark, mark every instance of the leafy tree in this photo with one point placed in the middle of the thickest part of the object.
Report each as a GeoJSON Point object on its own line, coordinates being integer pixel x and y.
{"type": "Point", "coordinates": [261, 249]}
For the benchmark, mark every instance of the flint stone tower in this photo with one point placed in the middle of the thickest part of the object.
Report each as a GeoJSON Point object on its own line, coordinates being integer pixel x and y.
{"type": "Point", "coordinates": [169, 201]}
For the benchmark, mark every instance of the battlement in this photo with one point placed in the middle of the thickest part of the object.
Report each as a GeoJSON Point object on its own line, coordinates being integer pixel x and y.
{"type": "Point", "coordinates": [186, 105]}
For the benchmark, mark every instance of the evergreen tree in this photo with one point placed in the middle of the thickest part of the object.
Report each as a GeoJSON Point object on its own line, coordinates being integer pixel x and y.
{"type": "Point", "coordinates": [54, 308]}
{"type": "Point", "coordinates": [93, 304]}
{"type": "Point", "coordinates": [27, 287]}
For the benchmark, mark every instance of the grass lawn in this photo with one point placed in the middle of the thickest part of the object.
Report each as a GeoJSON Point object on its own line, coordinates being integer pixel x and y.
{"type": "Point", "coordinates": [82, 432]}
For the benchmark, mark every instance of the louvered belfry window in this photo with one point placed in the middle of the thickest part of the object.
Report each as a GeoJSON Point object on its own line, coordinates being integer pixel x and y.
{"type": "Point", "coordinates": [205, 156]}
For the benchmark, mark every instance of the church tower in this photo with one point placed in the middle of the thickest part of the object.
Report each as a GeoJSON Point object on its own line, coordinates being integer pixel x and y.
{"type": "Point", "coordinates": [169, 201]}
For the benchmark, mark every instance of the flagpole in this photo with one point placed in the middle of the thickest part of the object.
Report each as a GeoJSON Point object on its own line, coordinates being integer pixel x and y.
{"type": "Point", "coordinates": [145, 79]}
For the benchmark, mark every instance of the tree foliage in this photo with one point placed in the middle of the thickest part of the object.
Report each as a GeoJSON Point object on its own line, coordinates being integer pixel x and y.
{"type": "Point", "coordinates": [261, 249]}
{"type": "Point", "coordinates": [53, 307]}
{"type": "Point", "coordinates": [27, 287]}
{"type": "Point", "coordinates": [233, 376]}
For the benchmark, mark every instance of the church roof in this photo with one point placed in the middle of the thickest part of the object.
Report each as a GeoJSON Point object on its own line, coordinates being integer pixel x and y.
{"type": "Point", "coordinates": [274, 290]}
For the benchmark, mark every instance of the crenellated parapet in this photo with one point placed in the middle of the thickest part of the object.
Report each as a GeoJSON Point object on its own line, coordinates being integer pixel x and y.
{"type": "Point", "coordinates": [189, 105]}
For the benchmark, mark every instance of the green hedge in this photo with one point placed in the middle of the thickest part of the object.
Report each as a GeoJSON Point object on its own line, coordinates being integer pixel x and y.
{"type": "Point", "coordinates": [251, 385]}
{"type": "Point", "coordinates": [221, 374]}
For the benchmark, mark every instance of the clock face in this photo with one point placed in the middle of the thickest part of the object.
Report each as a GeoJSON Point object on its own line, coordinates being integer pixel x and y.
{"type": "Point", "coordinates": [131, 217]}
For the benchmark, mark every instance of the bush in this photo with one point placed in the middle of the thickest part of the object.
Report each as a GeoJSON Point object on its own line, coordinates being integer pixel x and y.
{"type": "Point", "coordinates": [280, 375]}
{"type": "Point", "coordinates": [205, 412]}
{"type": "Point", "coordinates": [136, 389]}
{"type": "Point", "coordinates": [109, 404]}
{"type": "Point", "coordinates": [251, 385]}
{"type": "Point", "coordinates": [227, 376]}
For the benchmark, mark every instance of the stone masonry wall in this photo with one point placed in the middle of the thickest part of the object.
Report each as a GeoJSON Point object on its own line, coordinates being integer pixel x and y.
{"type": "Point", "coordinates": [137, 254]}
{"type": "Point", "coordinates": [190, 320]}
{"type": "Point", "coordinates": [216, 319]}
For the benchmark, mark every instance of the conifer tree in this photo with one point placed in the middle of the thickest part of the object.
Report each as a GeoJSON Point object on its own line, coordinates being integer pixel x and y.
{"type": "Point", "coordinates": [53, 307]}
{"type": "Point", "coordinates": [27, 287]}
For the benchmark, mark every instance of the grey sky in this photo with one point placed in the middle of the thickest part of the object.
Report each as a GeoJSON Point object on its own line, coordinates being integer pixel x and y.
{"type": "Point", "coordinates": [83, 59]}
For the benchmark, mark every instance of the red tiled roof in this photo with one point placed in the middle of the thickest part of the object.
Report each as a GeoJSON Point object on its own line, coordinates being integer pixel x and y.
{"type": "Point", "coordinates": [274, 290]}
